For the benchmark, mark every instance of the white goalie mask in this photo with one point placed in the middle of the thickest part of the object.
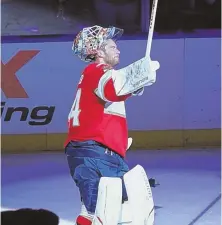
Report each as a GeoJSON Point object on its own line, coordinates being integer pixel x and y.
{"type": "Point", "coordinates": [88, 41]}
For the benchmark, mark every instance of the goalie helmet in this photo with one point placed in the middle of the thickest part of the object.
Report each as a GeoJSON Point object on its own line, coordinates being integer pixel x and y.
{"type": "Point", "coordinates": [90, 39]}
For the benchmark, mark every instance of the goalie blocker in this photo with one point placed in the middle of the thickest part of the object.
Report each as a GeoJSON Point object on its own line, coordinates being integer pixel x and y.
{"type": "Point", "coordinates": [139, 209]}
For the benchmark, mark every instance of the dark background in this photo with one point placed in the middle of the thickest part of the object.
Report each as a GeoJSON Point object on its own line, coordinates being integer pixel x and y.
{"type": "Point", "coordinates": [44, 17]}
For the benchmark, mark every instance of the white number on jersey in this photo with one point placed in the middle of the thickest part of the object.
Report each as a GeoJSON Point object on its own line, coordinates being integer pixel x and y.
{"type": "Point", "coordinates": [75, 111]}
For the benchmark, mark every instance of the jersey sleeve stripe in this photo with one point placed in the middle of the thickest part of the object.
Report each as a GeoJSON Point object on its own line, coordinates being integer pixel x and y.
{"type": "Point", "coordinates": [102, 83]}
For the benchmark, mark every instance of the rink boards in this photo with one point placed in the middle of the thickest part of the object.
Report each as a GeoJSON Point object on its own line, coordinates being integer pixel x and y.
{"type": "Point", "coordinates": [182, 109]}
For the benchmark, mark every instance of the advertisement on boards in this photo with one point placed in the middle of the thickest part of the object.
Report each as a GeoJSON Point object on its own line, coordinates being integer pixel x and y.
{"type": "Point", "coordinates": [38, 86]}
{"type": "Point", "coordinates": [34, 89]}
{"type": "Point", "coordinates": [39, 82]}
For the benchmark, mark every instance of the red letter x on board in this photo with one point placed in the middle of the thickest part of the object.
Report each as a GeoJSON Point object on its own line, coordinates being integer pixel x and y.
{"type": "Point", "coordinates": [10, 84]}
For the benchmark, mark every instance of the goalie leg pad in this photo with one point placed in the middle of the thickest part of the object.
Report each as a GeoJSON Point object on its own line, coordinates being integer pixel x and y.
{"type": "Point", "coordinates": [140, 197]}
{"type": "Point", "coordinates": [109, 201]}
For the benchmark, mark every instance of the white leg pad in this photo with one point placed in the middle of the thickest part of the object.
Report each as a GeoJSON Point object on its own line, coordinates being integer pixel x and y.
{"type": "Point", "coordinates": [109, 201]}
{"type": "Point", "coordinates": [125, 214]}
{"type": "Point", "coordinates": [139, 196]}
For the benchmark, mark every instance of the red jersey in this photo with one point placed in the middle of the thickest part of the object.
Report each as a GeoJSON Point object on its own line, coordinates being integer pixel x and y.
{"type": "Point", "coordinates": [98, 113]}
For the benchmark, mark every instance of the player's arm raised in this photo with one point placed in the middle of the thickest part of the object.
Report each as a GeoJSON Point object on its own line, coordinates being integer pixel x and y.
{"type": "Point", "coordinates": [109, 93]}
{"type": "Point", "coordinates": [106, 89]}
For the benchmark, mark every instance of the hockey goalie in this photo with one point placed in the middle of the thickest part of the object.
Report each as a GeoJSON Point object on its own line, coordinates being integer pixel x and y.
{"type": "Point", "coordinates": [97, 139]}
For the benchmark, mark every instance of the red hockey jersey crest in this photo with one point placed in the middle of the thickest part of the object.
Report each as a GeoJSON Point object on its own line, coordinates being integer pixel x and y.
{"type": "Point", "coordinates": [98, 113]}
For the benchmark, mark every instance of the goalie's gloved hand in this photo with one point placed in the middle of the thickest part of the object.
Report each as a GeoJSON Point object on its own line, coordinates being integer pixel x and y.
{"type": "Point", "coordinates": [153, 182]}
{"type": "Point", "coordinates": [155, 65]}
{"type": "Point", "coordinates": [138, 92]}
